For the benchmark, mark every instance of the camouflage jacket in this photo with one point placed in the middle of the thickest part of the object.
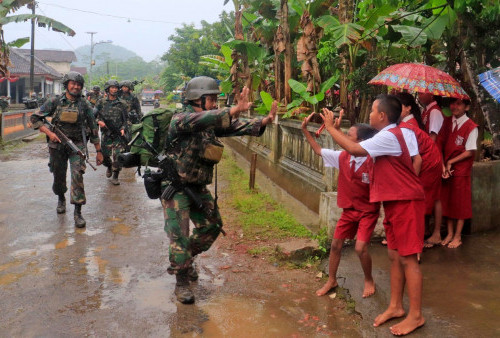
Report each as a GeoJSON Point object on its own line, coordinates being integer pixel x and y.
{"type": "Point", "coordinates": [132, 103]}
{"type": "Point", "coordinates": [192, 135]}
{"type": "Point", "coordinates": [93, 98]}
{"type": "Point", "coordinates": [113, 113]}
{"type": "Point", "coordinates": [56, 106]}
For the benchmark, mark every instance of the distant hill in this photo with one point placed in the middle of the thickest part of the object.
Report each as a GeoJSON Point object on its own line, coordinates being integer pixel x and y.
{"type": "Point", "coordinates": [102, 53]}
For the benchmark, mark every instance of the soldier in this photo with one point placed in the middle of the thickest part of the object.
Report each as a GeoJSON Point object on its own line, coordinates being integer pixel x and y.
{"type": "Point", "coordinates": [134, 107]}
{"type": "Point", "coordinates": [72, 114]}
{"type": "Point", "coordinates": [111, 115]}
{"type": "Point", "coordinates": [192, 151]}
{"type": "Point", "coordinates": [94, 96]}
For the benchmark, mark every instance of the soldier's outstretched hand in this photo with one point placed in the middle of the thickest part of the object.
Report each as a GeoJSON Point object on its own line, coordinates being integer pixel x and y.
{"type": "Point", "coordinates": [272, 114]}
{"type": "Point", "coordinates": [242, 105]}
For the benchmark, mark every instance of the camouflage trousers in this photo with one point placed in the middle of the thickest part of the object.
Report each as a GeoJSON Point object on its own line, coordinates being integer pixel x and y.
{"type": "Point", "coordinates": [111, 148]}
{"type": "Point", "coordinates": [183, 247]}
{"type": "Point", "coordinates": [58, 165]}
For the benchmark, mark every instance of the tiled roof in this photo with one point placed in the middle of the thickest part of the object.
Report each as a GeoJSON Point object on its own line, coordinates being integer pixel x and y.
{"type": "Point", "coordinates": [21, 65]}
{"type": "Point", "coordinates": [49, 55]}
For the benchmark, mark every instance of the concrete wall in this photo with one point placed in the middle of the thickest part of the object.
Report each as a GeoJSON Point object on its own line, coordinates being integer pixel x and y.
{"type": "Point", "coordinates": [286, 158]}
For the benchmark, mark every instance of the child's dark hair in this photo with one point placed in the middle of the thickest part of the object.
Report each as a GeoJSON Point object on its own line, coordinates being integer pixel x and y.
{"type": "Point", "coordinates": [364, 131]}
{"type": "Point", "coordinates": [390, 105]}
{"type": "Point", "coordinates": [465, 101]}
{"type": "Point", "coordinates": [409, 100]}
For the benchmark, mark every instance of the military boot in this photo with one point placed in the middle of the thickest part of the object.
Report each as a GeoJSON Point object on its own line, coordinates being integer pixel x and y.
{"type": "Point", "coordinates": [192, 273]}
{"type": "Point", "coordinates": [182, 290]}
{"type": "Point", "coordinates": [114, 180]}
{"type": "Point", "coordinates": [61, 205]}
{"type": "Point", "coordinates": [79, 220]}
{"type": "Point", "coordinates": [109, 172]}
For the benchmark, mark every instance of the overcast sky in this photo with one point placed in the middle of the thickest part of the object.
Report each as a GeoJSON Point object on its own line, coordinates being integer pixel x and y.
{"type": "Point", "coordinates": [148, 39]}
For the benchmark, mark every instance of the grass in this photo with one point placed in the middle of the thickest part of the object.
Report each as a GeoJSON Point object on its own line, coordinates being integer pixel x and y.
{"type": "Point", "coordinates": [260, 216]}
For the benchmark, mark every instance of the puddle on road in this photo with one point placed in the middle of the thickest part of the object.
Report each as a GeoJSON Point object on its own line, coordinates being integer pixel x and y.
{"type": "Point", "coordinates": [121, 229]}
{"type": "Point", "coordinates": [65, 243]}
{"type": "Point", "coordinates": [114, 219]}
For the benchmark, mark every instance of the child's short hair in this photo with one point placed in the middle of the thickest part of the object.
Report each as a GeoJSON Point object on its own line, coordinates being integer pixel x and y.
{"type": "Point", "coordinates": [465, 101]}
{"type": "Point", "coordinates": [364, 131]}
{"type": "Point", "coordinates": [390, 105]}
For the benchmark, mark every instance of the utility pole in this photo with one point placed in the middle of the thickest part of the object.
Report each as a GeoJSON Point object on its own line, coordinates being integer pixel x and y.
{"type": "Point", "coordinates": [91, 55]}
{"type": "Point", "coordinates": [32, 52]}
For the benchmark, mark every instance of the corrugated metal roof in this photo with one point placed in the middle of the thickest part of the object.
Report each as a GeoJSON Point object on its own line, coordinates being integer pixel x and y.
{"type": "Point", "coordinates": [49, 55]}
{"type": "Point", "coordinates": [21, 65]}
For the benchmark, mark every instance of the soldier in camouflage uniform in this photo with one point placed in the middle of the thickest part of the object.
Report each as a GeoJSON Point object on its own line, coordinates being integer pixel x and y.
{"type": "Point", "coordinates": [133, 105]}
{"type": "Point", "coordinates": [111, 115]}
{"type": "Point", "coordinates": [193, 149]}
{"type": "Point", "coordinates": [94, 96]}
{"type": "Point", "coordinates": [72, 114]}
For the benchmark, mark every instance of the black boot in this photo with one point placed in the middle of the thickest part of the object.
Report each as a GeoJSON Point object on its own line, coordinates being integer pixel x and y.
{"type": "Point", "coordinates": [192, 273]}
{"type": "Point", "coordinates": [182, 290]}
{"type": "Point", "coordinates": [79, 220]}
{"type": "Point", "coordinates": [109, 172]}
{"type": "Point", "coordinates": [114, 180]}
{"type": "Point", "coordinates": [61, 205]}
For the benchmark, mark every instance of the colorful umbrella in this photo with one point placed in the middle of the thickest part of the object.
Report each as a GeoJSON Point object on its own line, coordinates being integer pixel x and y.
{"type": "Point", "coordinates": [158, 91]}
{"type": "Point", "coordinates": [491, 82]}
{"type": "Point", "coordinates": [416, 77]}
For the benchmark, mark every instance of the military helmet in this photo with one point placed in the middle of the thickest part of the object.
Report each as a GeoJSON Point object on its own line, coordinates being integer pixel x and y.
{"type": "Point", "coordinates": [111, 83]}
{"type": "Point", "coordinates": [73, 76]}
{"type": "Point", "coordinates": [127, 84]}
{"type": "Point", "coordinates": [96, 88]}
{"type": "Point", "coordinates": [199, 86]}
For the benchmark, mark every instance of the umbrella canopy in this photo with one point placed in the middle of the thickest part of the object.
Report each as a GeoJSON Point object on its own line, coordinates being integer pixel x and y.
{"type": "Point", "coordinates": [158, 91]}
{"type": "Point", "coordinates": [491, 82]}
{"type": "Point", "coordinates": [416, 77]}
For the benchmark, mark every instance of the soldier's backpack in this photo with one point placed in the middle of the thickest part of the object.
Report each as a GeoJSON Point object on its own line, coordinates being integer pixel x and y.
{"type": "Point", "coordinates": [148, 139]}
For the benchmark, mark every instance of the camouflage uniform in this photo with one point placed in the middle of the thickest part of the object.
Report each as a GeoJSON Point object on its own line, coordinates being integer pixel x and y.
{"type": "Point", "coordinates": [114, 114]}
{"type": "Point", "coordinates": [133, 106]}
{"type": "Point", "coordinates": [93, 98]}
{"type": "Point", "coordinates": [59, 153]}
{"type": "Point", "coordinates": [189, 133]}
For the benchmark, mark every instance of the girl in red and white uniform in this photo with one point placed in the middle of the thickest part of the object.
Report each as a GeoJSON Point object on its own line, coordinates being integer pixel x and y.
{"type": "Point", "coordinates": [457, 141]}
{"type": "Point", "coordinates": [359, 216]}
{"type": "Point", "coordinates": [431, 170]}
{"type": "Point", "coordinates": [432, 116]}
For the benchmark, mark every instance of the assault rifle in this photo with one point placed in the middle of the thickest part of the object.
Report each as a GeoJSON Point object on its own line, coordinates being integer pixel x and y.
{"type": "Point", "coordinates": [65, 140]}
{"type": "Point", "coordinates": [133, 117]}
{"type": "Point", "coordinates": [115, 131]}
{"type": "Point", "coordinates": [169, 172]}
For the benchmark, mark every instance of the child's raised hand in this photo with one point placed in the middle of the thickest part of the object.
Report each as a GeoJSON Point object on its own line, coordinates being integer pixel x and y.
{"type": "Point", "coordinates": [306, 120]}
{"type": "Point", "coordinates": [339, 119]}
{"type": "Point", "coordinates": [328, 118]}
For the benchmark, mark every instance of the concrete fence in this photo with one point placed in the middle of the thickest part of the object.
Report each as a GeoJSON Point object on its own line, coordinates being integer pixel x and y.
{"type": "Point", "coordinates": [286, 158]}
{"type": "Point", "coordinates": [15, 124]}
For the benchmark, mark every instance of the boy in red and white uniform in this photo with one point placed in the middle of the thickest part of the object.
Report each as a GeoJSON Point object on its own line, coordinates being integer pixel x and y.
{"type": "Point", "coordinates": [457, 141]}
{"type": "Point", "coordinates": [394, 181]}
{"type": "Point", "coordinates": [359, 216]}
{"type": "Point", "coordinates": [432, 116]}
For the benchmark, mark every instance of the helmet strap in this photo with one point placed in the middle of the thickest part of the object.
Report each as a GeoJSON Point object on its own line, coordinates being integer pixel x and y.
{"type": "Point", "coordinates": [202, 105]}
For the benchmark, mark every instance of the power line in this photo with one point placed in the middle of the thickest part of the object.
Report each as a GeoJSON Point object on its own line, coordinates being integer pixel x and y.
{"type": "Point", "coordinates": [61, 34]}
{"type": "Point", "coordinates": [110, 15]}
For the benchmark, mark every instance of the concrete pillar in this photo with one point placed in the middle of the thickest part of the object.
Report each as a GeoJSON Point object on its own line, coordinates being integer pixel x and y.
{"type": "Point", "coordinates": [42, 86]}
{"type": "Point", "coordinates": [8, 87]}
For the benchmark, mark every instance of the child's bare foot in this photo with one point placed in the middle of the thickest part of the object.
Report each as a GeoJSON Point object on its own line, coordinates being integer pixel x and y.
{"type": "Point", "coordinates": [455, 243]}
{"type": "Point", "coordinates": [407, 325]}
{"type": "Point", "coordinates": [447, 240]}
{"type": "Point", "coordinates": [369, 288]}
{"type": "Point", "coordinates": [387, 315]}
{"type": "Point", "coordinates": [433, 240]}
{"type": "Point", "coordinates": [327, 287]}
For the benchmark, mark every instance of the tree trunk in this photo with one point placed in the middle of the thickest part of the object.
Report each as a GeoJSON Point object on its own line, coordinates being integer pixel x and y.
{"type": "Point", "coordinates": [288, 50]}
{"type": "Point", "coordinates": [279, 48]}
{"type": "Point", "coordinates": [346, 14]}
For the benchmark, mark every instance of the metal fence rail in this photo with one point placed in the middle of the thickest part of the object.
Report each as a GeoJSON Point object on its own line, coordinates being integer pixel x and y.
{"type": "Point", "coordinates": [16, 124]}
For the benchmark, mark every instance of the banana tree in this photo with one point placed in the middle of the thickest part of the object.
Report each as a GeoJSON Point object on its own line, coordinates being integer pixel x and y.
{"type": "Point", "coordinates": [9, 6]}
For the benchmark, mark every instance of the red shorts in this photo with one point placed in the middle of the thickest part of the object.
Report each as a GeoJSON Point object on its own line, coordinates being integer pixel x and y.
{"type": "Point", "coordinates": [456, 196]}
{"type": "Point", "coordinates": [353, 222]}
{"type": "Point", "coordinates": [404, 225]}
{"type": "Point", "coordinates": [431, 181]}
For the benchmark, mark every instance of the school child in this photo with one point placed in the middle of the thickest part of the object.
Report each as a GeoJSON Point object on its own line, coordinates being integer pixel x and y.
{"type": "Point", "coordinates": [394, 181]}
{"type": "Point", "coordinates": [432, 116]}
{"type": "Point", "coordinates": [458, 144]}
{"type": "Point", "coordinates": [359, 216]}
{"type": "Point", "coordinates": [431, 170]}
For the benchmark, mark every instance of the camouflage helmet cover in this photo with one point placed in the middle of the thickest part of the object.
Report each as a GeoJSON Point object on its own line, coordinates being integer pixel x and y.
{"type": "Point", "coordinates": [96, 88]}
{"type": "Point", "coordinates": [199, 86]}
{"type": "Point", "coordinates": [111, 83]}
{"type": "Point", "coordinates": [127, 84]}
{"type": "Point", "coordinates": [73, 76]}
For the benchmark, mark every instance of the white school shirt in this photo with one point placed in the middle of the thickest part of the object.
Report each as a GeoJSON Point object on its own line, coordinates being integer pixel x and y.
{"type": "Point", "coordinates": [386, 143]}
{"type": "Point", "coordinates": [435, 119]}
{"type": "Point", "coordinates": [331, 159]}
{"type": "Point", "coordinates": [407, 118]}
{"type": "Point", "coordinates": [471, 140]}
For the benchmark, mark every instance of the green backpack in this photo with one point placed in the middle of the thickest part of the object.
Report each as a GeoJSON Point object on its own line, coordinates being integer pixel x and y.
{"type": "Point", "coordinates": [148, 137]}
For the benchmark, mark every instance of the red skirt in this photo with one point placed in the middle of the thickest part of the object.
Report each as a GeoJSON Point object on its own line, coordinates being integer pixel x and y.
{"type": "Point", "coordinates": [431, 181]}
{"type": "Point", "coordinates": [456, 196]}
